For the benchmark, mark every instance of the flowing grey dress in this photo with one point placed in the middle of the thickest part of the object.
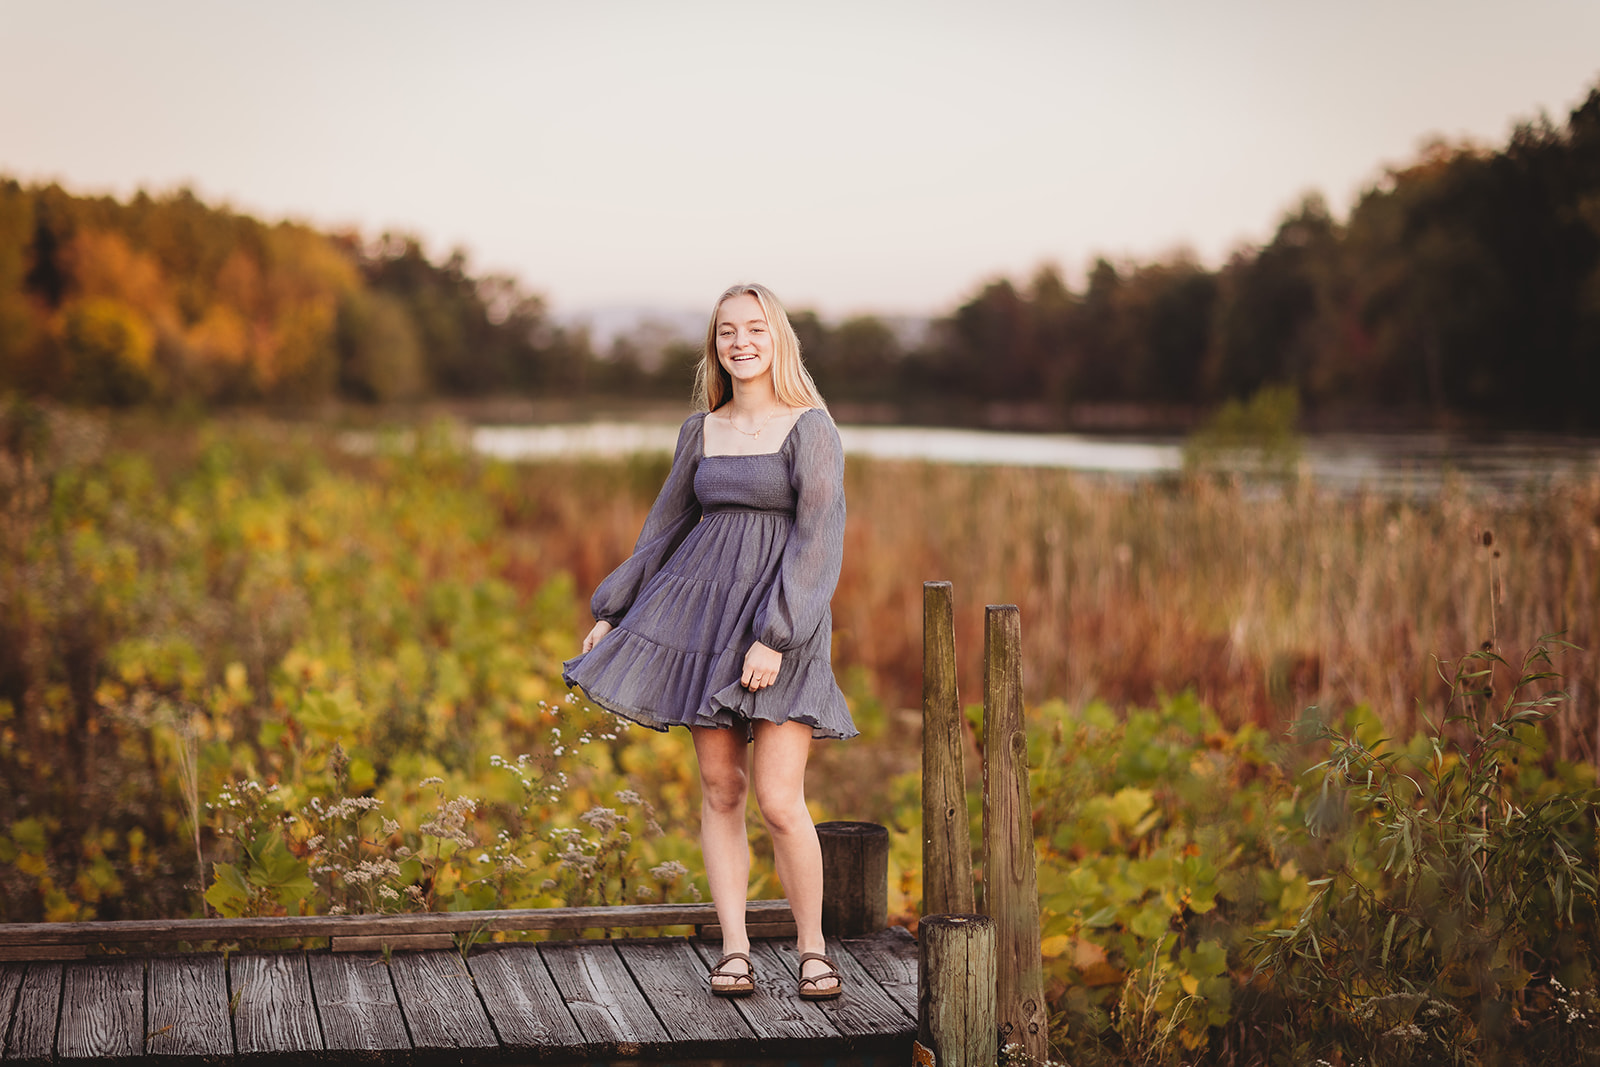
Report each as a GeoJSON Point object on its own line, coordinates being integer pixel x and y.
{"type": "Point", "coordinates": [737, 549]}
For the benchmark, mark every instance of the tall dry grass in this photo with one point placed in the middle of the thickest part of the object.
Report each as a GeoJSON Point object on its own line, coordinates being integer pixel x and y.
{"type": "Point", "coordinates": [1265, 601]}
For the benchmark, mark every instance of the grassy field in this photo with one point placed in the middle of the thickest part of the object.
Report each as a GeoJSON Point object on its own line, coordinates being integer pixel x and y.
{"type": "Point", "coordinates": [242, 670]}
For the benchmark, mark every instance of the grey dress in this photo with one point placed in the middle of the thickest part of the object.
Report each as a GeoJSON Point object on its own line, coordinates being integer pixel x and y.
{"type": "Point", "coordinates": [737, 549]}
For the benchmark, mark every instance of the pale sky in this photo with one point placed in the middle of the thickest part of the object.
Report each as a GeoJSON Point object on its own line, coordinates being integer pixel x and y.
{"type": "Point", "coordinates": [855, 156]}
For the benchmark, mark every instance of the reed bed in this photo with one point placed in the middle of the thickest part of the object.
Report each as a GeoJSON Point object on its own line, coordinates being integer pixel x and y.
{"type": "Point", "coordinates": [1266, 600]}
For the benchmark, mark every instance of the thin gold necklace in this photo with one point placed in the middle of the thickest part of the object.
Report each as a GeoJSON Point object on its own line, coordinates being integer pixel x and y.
{"type": "Point", "coordinates": [756, 433]}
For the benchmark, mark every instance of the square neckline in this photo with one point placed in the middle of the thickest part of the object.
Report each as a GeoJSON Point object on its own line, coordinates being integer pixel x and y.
{"type": "Point", "coordinates": [748, 455]}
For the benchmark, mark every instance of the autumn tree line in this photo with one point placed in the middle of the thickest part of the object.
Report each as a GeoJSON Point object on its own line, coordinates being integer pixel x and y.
{"type": "Point", "coordinates": [1462, 288]}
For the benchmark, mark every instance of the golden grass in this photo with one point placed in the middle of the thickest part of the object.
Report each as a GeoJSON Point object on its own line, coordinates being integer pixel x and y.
{"type": "Point", "coordinates": [1264, 602]}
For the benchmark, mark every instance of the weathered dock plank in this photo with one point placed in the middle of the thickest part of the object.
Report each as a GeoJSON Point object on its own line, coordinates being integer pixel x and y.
{"type": "Point", "coordinates": [11, 975]}
{"type": "Point", "coordinates": [33, 1021]}
{"type": "Point", "coordinates": [187, 1009]}
{"type": "Point", "coordinates": [441, 1005]}
{"type": "Point", "coordinates": [863, 1011]}
{"type": "Point", "coordinates": [890, 956]}
{"type": "Point", "coordinates": [102, 1010]}
{"type": "Point", "coordinates": [274, 1013]}
{"type": "Point", "coordinates": [608, 1007]}
{"type": "Point", "coordinates": [357, 1004]}
{"type": "Point", "coordinates": [522, 1000]}
{"type": "Point", "coordinates": [672, 977]}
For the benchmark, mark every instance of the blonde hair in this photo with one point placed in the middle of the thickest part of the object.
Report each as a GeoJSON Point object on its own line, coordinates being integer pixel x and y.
{"type": "Point", "coordinates": [713, 387]}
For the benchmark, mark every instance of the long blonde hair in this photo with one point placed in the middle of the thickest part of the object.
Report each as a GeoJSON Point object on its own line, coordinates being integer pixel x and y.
{"type": "Point", "coordinates": [713, 387]}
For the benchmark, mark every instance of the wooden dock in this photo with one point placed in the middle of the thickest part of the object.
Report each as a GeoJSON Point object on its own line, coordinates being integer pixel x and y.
{"type": "Point", "coordinates": [635, 1001]}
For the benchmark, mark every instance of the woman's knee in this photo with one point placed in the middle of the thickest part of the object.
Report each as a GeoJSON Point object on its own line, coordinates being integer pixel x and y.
{"type": "Point", "coordinates": [784, 811]}
{"type": "Point", "coordinates": [723, 789]}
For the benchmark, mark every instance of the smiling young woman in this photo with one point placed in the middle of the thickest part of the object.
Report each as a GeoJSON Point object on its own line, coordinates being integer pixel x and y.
{"type": "Point", "coordinates": [719, 620]}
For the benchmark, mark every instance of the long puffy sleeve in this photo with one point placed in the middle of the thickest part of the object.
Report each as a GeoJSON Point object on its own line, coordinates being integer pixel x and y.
{"type": "Point", "coordinates": [798, 601]}
{"type": "Point", "coordinates": [671, 517]}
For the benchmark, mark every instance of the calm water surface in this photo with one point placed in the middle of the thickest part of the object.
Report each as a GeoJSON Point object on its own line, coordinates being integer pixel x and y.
{"type": "Point", "coordinates": [1397, 463]}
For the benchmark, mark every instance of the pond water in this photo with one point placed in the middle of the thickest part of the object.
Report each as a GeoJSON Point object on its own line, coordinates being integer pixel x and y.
{"type": "Point", "coordinates": [1391, 463]}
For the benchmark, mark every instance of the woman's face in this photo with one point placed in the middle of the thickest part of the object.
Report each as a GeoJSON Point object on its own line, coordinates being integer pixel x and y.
{"type": "Point", "coordinates": [744, 341]}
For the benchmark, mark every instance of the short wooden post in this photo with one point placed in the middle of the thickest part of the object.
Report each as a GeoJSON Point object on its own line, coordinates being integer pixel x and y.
{"type": "Point", "coordinates": [1010, 876]}
{"type": "Point", "coordinates": [956, 991]}
{"type": "Point", "coordinates": [855, 878]}
{"type": "Point", "coordinates": [946, 836]}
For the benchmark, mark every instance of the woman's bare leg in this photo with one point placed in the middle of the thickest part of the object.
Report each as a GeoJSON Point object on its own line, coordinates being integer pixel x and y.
{"type": "Point", "coordinates": [724, 842]}
{"type": "Point", "coordinates": [780, 779]}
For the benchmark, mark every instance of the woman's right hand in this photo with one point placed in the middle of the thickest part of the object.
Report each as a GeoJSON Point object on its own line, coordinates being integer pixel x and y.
{"type": "Point", "coordinates": [601, 628]}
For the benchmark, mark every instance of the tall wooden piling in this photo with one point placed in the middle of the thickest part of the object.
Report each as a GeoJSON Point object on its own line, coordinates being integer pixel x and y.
{"type": "Point", "coordinates": [956, 990]}
{"type": "Point", "coordinates": [1010, 876]}
{"type": "Point", "coordinates": [946, 838]}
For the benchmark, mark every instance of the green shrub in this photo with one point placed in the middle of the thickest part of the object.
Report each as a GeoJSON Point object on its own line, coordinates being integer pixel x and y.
{"type": "Point", "coordinates": [1455, 907]}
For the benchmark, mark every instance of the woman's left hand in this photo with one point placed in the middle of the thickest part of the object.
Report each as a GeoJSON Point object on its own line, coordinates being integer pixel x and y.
{"type": "Point", "coordinates": [761, 665]}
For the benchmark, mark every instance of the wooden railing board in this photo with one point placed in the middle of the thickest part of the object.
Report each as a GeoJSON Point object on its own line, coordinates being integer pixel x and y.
{"type": "Point", "coordinates": [166, 931]}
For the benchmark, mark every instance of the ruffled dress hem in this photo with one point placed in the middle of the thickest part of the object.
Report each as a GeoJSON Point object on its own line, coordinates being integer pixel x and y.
{"type": "Point", "coordinates": [803, 684]}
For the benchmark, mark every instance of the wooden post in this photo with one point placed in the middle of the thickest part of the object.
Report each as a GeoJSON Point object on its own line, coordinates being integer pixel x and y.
{"type": "Point", "coordinates": [1010, 876]}
{"type": "Point", "coordinates": [855, 878]}
{"type": "Point", "coordinates": [946, 836]}
{"type": "Point", "coordinates": [956, 991]}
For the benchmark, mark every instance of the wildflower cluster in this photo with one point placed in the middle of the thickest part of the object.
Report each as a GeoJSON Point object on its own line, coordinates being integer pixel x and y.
{"type": "Point", "coordinates": [598, 869]}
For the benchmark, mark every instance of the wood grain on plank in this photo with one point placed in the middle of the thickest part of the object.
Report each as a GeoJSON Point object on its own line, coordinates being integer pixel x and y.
{"type": "Point", "coordinates": [440, 1003]}
{"type": "Point", "coordinates": [102, 1010]}
{"type": "Point", "coordinates": [273, 1008]}
{"type": "Point", "coordinates": [522, 999]}
{"type": "Point", "coordinates": [863, 1009]}
{"type": "Point", "coordinates": [357, 1003]}
{"type": "Point", "coordinates": [891, 957]}
{"type": "Point", "coordinates": [672, 977]}
{"type": "Point", "coordinates": [33, 1022]}
{"type": "Point", "coordinates": [187, 1010]}
{"type": "Point", "coordinates": [606, 1004]}
{"type": "Point", "coordinates": [11, 975]}
{"type": "Point", "coordinates": [775, 1012]}
{"type": "Point", "coordinates": [10, 982]}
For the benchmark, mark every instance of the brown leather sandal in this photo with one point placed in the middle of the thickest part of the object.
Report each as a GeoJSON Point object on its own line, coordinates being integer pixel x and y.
{"type": "Point", "coordinates": [808, 986]}
{"type": "Point", "coordinates": [744, 982]}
